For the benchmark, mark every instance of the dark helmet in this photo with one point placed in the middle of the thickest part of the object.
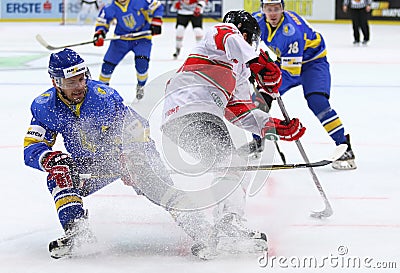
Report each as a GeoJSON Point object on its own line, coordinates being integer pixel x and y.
{"type": "Point", "coordinates": [65, 64]}
{"type": "Point", "coordinates": [245, 23]}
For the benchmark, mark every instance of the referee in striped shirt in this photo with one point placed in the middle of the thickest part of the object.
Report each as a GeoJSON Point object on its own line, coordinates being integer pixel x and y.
{"type": "Point", "coordinates": [359, 10]}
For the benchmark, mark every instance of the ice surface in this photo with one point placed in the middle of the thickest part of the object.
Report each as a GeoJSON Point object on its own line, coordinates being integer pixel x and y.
{"type": "Point", "coordinates": [136, 236]}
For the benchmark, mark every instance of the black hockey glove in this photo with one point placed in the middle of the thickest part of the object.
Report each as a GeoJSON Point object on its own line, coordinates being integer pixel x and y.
{"type": "Point", "coordinates": [62, 169]}
{"type": "Point", "coordinates": [155, 27]}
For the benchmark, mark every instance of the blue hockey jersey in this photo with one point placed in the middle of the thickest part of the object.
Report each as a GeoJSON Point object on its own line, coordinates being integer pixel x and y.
{"type": "Point", "coordinates": [134, 16]}
{"type": "Point", "coordinates": [295, 43]}
{"type": "Point", "coordinates": [90, 129]}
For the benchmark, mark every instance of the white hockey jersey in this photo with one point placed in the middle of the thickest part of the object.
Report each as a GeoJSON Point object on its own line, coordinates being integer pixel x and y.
{"type": "Point", "coordinates": [187, 7]}
{"type": "Point", "coordinates": [214, 79]}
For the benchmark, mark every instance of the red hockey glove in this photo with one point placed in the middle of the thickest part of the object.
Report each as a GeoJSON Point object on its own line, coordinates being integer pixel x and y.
{"type": "Point", "coordinates": [156, 26]}
{"type": "Point", "coordinates": [198, 10]}
{"type": "Point", "coordinates": [98, 38]}
{"type": "Point", "coordinates": [62, 169]}
{"type": "Point", "coordinates": [177, 5]}
{"type": "Point", "coordinates": [279, 129]}
{"type": "Point", "coordinates": [267, 74]}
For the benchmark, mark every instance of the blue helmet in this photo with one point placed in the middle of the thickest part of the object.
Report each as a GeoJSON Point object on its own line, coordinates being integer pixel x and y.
{"type": "Point", "coordinates": [65, 64]}
{"type": "Point", "coordinates": [273, 2]}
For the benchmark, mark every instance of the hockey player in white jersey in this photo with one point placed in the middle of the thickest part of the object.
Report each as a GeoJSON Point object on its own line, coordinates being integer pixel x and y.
{"type": "Point", "coordinates": [188, 11]}
{"type": "Point", "coordinates": [211, 85]}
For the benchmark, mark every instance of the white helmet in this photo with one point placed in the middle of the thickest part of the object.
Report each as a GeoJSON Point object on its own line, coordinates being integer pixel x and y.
{"type": "Point", "coordinates": [273, 2]}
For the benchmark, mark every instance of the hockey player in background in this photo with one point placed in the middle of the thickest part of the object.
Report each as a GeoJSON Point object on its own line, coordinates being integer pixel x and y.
{"type": "Point", "coordinates": [89, 10]}
{"type": "Point", "coordinates": [188, 11]}
{"type": "Point", "coordinates": [212, 85]}
{"type": "Point", "coordinates": [301, 53]}
{"type": "Point", "coordinates": [105, 140]}
{"type": "Point", "coordinates": [131, 16]}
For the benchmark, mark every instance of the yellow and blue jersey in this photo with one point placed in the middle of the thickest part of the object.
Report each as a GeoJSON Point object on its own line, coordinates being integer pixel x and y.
{"type": "Point", "coordinates": [90, 129]}
{"type": "Point", "coordinates": [134, 16]}
{"type": "Point", "coordinates": [295, 43]}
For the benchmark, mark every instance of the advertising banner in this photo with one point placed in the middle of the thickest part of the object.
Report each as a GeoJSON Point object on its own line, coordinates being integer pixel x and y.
{"type": "Point", "coordinates": [31, 9]}
{"type": "Point", "coordinates": [20, 10]}
{"type": "Point", "coordinates": [381, 10]}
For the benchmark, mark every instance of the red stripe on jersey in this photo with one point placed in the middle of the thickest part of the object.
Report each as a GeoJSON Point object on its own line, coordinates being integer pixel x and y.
{"type": "Point", "coordinates": [237, 111]}
{"type": "Point", "coordinates": [223, 32]}
{"type": "Point", "coordinates": [189, 2]}
{"type": "Point", "coordinates": [219, 74]}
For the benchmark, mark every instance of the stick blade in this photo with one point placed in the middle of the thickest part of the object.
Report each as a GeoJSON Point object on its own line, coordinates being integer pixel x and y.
{"type": "Point", "coordinates": [43, 42]}
{"type": "Point", "coordinates": [339, 151]}
{"type": "Point", "coordinates": [321, 214]}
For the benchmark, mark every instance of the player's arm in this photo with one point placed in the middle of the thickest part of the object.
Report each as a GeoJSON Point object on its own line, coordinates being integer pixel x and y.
{"type": "Point", "coordinates": [157, 10]}
{"type": "Point", "coordinates": [38, 142]}
{"type": "Point", "coordinates": [102, 26]}
{"type": "Point", "coordinates": [244, 114]}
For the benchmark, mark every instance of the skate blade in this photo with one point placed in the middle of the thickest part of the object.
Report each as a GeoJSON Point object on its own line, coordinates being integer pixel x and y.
{"type": "Point", "coordinates": [85, 250]}
{"type": "Point", "coordinates": [344, 165]}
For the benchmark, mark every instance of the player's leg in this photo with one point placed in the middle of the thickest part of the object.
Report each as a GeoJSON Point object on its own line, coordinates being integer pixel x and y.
{"type": "Point", "coordinates": [142, 50]}
{"type": "Point", "coordinates": [72, 216]}
{"type": "Point", "coordinates": [197, 23]}
{"type": "Point", "coordinates": [115, 53]}
{"type": "Point", "coordinates": [149, 176]}
{"type": "Point", "coordinates": [207, 139]}
{"type": "Point", "coordinates": [182, 22]}
{"type": "Point", "coordinates": [316, 85]}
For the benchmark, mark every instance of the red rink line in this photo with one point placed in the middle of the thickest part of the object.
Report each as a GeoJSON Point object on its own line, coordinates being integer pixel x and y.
{"type": "Point", "coordinates": [11, 147]}
{"type": "Point", "coordinates": [116, 195]}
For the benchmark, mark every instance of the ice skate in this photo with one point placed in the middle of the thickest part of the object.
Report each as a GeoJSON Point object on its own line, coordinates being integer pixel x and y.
{"type": "Point", "coordinates": [204, 251]}
{"type": "Point", "coordinates": [77, 236]}
{"type": "Point", "coordinates": [252, 149]}
{"type": "Point", "coordinates": [346, 161]}
{"type": "Point", "coordinates": [139, 92]}
{"type": "Point", "coordinates": [234, 237]}
{"type": "Point", "coordinates": [176, 54]}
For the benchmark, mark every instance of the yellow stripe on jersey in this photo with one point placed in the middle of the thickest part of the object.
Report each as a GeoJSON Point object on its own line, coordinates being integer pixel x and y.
{"type": "Point", "coordinates": [292, 65]}
{"type": "Point", "coordinates": [69, 199]}
{"type": "Point", "coordinates": [312, 43]}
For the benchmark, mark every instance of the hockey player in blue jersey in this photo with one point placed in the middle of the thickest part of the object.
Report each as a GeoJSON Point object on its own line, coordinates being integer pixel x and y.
{"type": "Point", "coordinates": [105, 140]}
{"type": "Point", "coordinates": [301, 53]}
{"type": "Point", "coordinates": [131, 16]}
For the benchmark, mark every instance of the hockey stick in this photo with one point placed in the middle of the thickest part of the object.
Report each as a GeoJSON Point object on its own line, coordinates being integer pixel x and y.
{"type": "Point", "coordinates": [272, 167]}
{"type": "Point", "coordinates": [43, 42]}
{"type": "Point", "coordinates": [328, 211]}
{"type": "Point", "coordinates": [266, 109]}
